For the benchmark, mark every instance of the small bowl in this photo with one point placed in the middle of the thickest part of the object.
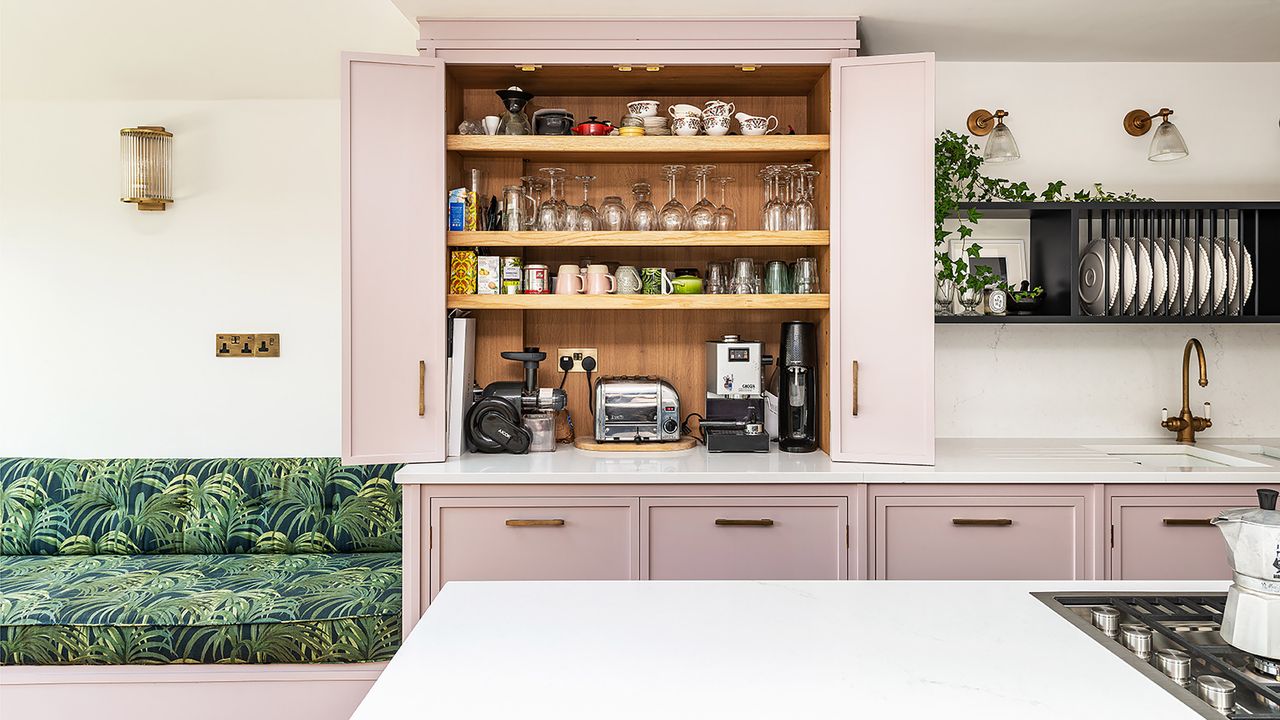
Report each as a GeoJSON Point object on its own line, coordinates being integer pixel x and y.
{"type": "Point", "coordinates": [632, 121]}
{"type": "Point", "coordinates": [643, 108]}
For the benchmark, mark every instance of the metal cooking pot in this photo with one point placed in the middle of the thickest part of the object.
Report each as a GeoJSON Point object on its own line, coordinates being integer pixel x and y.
{"type": "Point", "coordinates": [1251, 619]}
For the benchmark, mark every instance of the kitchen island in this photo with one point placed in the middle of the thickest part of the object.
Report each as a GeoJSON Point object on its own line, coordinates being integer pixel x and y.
{"type": "Point", "coordinates": [740, 649]}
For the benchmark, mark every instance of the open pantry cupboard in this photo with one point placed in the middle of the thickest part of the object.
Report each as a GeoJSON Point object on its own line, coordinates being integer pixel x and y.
{"type": "Point", "coordinates": [866, 124]}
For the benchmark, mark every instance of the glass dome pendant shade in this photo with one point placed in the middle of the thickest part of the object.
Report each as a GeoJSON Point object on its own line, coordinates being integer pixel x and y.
{"type": "Point", "coordinates": [1167, 143]}
{"type": "Point", "coordinates": [1001, 147]}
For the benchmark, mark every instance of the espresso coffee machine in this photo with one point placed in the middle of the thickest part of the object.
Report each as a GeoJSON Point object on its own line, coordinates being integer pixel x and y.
{"type": "Point", "coordinates": [735, 396]}
{"type": "Point", "coordinates": [798, 388]}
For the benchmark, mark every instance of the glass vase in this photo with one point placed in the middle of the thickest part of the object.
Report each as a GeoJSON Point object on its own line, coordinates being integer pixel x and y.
{"type": "Point", "coordinates": [944, 292]}
{"type": "Point", "coordinates": [970, 298]}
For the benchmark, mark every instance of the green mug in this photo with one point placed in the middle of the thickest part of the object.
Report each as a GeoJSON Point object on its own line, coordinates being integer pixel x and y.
{"type": "Point", "coordinates": [656, 281]}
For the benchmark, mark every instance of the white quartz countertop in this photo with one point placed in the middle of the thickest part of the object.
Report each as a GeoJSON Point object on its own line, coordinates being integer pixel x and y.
{"type": "Point", "coordinates": [957, 461]}
{"type": "Point", "coordinates": [569, 650]}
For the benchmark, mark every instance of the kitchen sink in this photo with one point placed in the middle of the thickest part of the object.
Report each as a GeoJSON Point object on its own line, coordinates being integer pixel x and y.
{"type": "Point", "coordinates": [1175, 456]}
{"type": "Point", "coordinates": [1265, 451]}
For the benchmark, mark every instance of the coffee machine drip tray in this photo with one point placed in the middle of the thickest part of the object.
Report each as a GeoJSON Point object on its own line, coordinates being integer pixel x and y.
{"type": "Point", "coordinates": [735, 425]}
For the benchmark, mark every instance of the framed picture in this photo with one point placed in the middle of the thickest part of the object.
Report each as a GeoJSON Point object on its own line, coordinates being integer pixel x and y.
{"type": "Point", "coordinates": [1007, 258]}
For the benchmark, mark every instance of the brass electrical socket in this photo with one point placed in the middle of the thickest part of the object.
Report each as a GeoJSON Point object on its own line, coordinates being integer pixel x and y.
{"type": "Point", "coordinates": [242, 345]}
{"type": "Point", "coordinates": [578, 355]}
{"type": "Point", "coordinates": [266, 345]}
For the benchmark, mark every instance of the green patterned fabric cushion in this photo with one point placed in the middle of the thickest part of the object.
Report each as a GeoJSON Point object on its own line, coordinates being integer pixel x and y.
{"type": "Point", "coordinates": [131, 507]}
{"type": "Point", "coordinates": [243, 608]}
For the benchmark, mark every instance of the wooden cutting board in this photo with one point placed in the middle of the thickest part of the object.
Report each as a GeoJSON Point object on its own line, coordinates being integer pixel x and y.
{"type": "Point", "coordinates": [588, 443]}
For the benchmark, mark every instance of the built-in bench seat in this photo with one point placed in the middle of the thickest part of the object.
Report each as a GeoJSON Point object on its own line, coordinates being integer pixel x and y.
{"type": "Point", "coordinates": [198, 561]}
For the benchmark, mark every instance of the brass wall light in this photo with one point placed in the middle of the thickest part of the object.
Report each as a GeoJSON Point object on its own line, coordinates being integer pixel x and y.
{"type": "Point", "coordinates": [146, 167]}
{"type": "Point", "coordinates": [1167, 144]}
{"type": "Point", "coordinates": [1001, 147]}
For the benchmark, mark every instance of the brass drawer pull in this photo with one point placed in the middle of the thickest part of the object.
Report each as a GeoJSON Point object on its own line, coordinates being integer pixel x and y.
{"type": "Point", "coordinates": [855, 388]}
{"type": "Point", "coordinates": [982, 522]}
{"type": "Point", "coordinates": [422, 388]}
{"type": "Point", "coordinates": [535, 523]}
{"type": "Point", "coordinates": [762, 522]}
{"type": "Point", "coordinates": [1188, 522]}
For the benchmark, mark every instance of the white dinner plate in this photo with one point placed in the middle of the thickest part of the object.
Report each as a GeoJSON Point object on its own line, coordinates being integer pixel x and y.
{"type": "Point", "coordinates": [1126, 276]}
{"type": "Point", "coordinates": [1159, 276]}
{"type": "Point", "coordinates": [1213, 288]}
{"type": "Point", "coordinates": [1142, 252]}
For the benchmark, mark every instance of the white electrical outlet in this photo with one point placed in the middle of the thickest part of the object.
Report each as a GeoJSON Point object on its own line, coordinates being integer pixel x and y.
{"type": "Point", "coordinates": [578, 355]}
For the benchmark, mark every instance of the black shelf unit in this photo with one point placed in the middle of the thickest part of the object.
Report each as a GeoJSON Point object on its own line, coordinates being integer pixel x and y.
{"type": "Point", "coordinates": [1059, 232]}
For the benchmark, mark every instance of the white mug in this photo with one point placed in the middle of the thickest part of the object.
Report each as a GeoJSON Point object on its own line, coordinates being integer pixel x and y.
{"type": "Point", "coordinates": [718, 108]}
{"type": "Point", "coordinates": [643, 108]}
{"type": "Point", "coordinates": [490, 124]}
{"type": "Point", "coordinates": [683, 110]}
{"type": "Point", "coordinates": [687, 125]}
{"type": "Point", "coordinates": [713, 125]}
{"type": "Point", "coordinates": [755, 125]}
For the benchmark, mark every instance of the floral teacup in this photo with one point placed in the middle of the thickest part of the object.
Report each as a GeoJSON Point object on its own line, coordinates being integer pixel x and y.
{"type": "Point", "coordinates": [683, 110]}
{"type": "Point", "coordinates": [717, 108]}
{"type": "Point", "coordinates": [686, 125]}
{"type": "Point", "coordinates": [713, 125]}
{"type": "Point", "coordinates": [643, 108]}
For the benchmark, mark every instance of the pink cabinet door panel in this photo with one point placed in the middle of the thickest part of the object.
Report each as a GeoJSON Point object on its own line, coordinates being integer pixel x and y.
{"type": "Point", "coordinates": [534, 539]}
{"type": "Point", "coordinates": [1169, 538]}
{"type": "Point", "coordinates": [393, 230]}
{"type": "Point", "coordinates": [882, 259]}
{"type": "Point", "coordinates": [979, 538]}
{"type": "Point", "coordinates": [744, 539]}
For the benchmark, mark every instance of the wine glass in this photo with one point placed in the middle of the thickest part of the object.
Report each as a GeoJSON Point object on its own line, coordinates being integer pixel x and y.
{"type": "Point", "coordinates": [673, 216]}
{"type": "Point", "coordinates": [803, 209]}
{"type": "Point", "coordinates": [774, 211]}
{"type": "Point", "coordinates": [702, 216]}
{"type": "Point", "coordinates": [551, 213]}
{"type": "Point", "coordinates": [795, 194]}
{"type": "Point", "coordinates": [644, 216]}
{"type": "Point", "coordinates": [587, 217]}
{"type": "Point", "coordinates": [726, 218]}
{"type": "Point", "coordinates": [614, 215]}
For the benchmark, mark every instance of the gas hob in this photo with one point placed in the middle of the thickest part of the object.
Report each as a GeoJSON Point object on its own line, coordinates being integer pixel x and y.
{"type": "Point", "coordinates": [1174, 640]}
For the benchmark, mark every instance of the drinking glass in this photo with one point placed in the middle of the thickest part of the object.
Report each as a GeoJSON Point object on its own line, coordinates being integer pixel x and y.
{"type": "Point", "coordinates": [644, 216]}
{"type": "Point", "coordinates": [943, 292]}
{"type": "Point", "coordinates": [777, 278]}
{"type": "Point", "coordinates": [613, 214]}
{"type": "Point", "coordinates": [551, 213]}
{"type": "Point", "coordinates": [806, 276]}
{"type": "Point", "coordinates": [744, 276]}
{"type": "Point", "coordinates": [516, 208]}
{"type": "Point", "coordinates": [587, 217]}
{"type": "Point", "coordinates": [673, 216]}
{"type": "Point", "coordinates": [774, 212]}
{"type": "Point", "coordinates": [702, 216]}
{"type": "Point", "coordinates": [726, 218]}
{"type": "Point", "coordinates": [717, 279]}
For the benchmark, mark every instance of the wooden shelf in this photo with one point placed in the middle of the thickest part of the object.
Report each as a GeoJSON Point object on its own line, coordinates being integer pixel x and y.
{"type": "Point", "coordinates": [569, 148]}
{"type": "Point", "coordinates": [639, 302]}
{"type": "Point", "coordinates": [690, 238]}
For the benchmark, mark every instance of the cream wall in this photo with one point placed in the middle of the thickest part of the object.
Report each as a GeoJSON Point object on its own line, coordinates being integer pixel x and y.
{"type": "Point", "coordinates": [1111, 381]}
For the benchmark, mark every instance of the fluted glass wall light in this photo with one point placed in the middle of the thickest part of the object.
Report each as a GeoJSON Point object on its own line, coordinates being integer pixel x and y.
{"type": "Point", "coordinates": [1167, 144]}
{"type": "Point", "coordinates": [1001, 147]}
{"type": "Point", "coordinates": [146, 167]}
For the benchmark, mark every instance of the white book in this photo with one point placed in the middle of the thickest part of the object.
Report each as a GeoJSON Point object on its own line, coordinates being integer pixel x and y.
{"type": "Point", "coordinates": [462, 377]}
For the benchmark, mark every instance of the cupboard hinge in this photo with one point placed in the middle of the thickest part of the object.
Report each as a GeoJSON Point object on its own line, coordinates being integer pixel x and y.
{"type": "Point", "coordinates": [846, 536]}
{"type": "Point", "coordinates": [1113, 535]}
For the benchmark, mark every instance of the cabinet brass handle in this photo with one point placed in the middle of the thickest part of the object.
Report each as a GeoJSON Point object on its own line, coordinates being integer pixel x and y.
{"type": "Point", "coordinates": [421, 388]}
{"type": "Point", "coordinates": [1188, 522]}
{"type": "Point", "coordinates": [855, 388]}
{"type": "Point", "coordinates": [982, 522]}
{"type": "Point", "coordinates": [535, 523]}
{"type": "Point", "coordinates": [762, 522]}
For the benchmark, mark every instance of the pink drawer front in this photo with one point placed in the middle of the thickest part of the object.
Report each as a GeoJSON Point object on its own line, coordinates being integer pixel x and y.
{"type": "Point", "coordinates": [979, 538]}
{"type": "Point", "coordinates": [1170, 538]}
{"type": "Point", "coordinates": [533, 539]}
{"type": "Point", "coordinates": [744, 538]}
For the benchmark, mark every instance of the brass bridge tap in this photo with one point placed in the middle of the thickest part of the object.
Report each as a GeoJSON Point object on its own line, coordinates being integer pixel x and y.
{"type": "Point", "coordinates": [1186, 424]}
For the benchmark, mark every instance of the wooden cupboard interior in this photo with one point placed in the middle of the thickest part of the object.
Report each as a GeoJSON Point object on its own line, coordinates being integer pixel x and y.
{"type": "Point", "coordinates": [654, 335]}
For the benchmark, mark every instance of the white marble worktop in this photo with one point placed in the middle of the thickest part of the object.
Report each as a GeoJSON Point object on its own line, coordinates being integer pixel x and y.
{"type": "Point", "coordinates": [724, 649]}
{"type": "Point", "coordinates": [957, 461]}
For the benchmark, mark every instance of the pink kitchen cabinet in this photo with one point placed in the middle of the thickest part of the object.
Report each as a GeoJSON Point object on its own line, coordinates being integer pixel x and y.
{"type": "Point", "coordinates": [993, 532]}
{"type": "Point", "coordinates": [533, 539]}
{"type": "Point", "coordinates": [393, 239]}
{"type": "Point", "coordinates": [744, 538]}
{"type": "Point", "coordinates": [1163, 532]}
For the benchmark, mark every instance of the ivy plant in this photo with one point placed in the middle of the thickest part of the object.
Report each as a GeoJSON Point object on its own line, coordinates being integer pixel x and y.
{"type": "Point", "coordinates": [958, 179]}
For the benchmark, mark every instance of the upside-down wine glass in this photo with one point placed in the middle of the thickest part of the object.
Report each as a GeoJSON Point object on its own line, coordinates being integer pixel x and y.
{"type": "Point", "coordinates": [774, 212]}
{"type": "Point", "coordinates": [551, 213]}
{"type": "Point", "coordinates": [726, 218]}
{"type": "Point", "coordinates": [673, 216]}
{"type": "Point", "coordinates": [588, 219]}
{"type": "Point", "coordinates": [702, 216]}
{"type": "Point", "coordinates": [644, 216]}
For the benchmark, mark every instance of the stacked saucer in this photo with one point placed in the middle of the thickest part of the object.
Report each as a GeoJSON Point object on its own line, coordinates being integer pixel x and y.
{"type": "Point", "coordinates": [656, 125]}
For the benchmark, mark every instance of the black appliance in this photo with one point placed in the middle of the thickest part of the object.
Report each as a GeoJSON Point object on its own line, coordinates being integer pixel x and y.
{"type": "Point", "coordinates": [494, 423]}
{"type": "Point", "coordinates": [797, 369]}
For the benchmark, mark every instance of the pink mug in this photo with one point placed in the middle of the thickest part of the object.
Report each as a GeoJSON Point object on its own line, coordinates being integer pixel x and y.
{"type": "Point", "coordinates": [569, 280]}
{"type": "Point", "coordinates": [599, 281]}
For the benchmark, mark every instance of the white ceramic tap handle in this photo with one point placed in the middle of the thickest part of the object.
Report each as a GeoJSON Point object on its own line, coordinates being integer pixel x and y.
{"type": "Point", "coordinates": [1206, 411]}
{"type": "Point", "coordinates": [1164, 414]}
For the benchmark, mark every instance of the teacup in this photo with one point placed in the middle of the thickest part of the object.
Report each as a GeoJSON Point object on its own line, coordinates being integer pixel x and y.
{"type": "Point", "coordinates": [717, 108]}
{"type": "Point", "coordinates": [683, 110]}
{"type": "Point", "coordinates": [642, 108]}
{"type": "Point", "coordinates": [687, 125]}
{"type": "Point", "coordinates": [756, 125]}
{"type": "Point", "coordinates": [713, 125]}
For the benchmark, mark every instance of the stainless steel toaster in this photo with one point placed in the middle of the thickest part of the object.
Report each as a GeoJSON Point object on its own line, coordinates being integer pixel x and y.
{"type": "Point", "coordinates": [636, 409]}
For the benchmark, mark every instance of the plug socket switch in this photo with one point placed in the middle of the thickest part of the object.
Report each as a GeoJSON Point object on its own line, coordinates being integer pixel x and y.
{"type": "Point", "coordinates": [241, 345]}
{"type": "Point", "coordinates": [578, 355]}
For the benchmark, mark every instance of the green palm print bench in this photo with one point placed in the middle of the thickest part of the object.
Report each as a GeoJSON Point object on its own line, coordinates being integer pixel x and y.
{"type": "Point", "coordinates": [198, 561]}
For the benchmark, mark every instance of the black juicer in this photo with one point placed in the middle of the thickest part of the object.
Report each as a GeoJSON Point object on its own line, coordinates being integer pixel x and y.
{"type": "Point", "coordinates": [494, 423]}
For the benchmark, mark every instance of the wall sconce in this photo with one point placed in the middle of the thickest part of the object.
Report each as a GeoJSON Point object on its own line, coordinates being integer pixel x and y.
{"type": "Point", "coordinates": [1167, 144]}
{"type": "Point", "coordinates": [1001, 147]}
{"type": "Point", "coordinates": [146, 162]}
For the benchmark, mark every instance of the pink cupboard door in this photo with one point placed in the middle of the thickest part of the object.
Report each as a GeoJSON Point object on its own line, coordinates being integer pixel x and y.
{"type": "Point", "coordinates": [744, 538]}
{"type": "Point", "coordinates": [393, 228]}
{"type": "Point", "coordinates": [882, 259]}
{"type": "Point", "coordinates": [1170, 538]}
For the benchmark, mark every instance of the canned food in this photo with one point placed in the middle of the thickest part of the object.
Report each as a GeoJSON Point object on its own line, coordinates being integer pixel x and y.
{"type": "Point", "coordinates": [536, 280]}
